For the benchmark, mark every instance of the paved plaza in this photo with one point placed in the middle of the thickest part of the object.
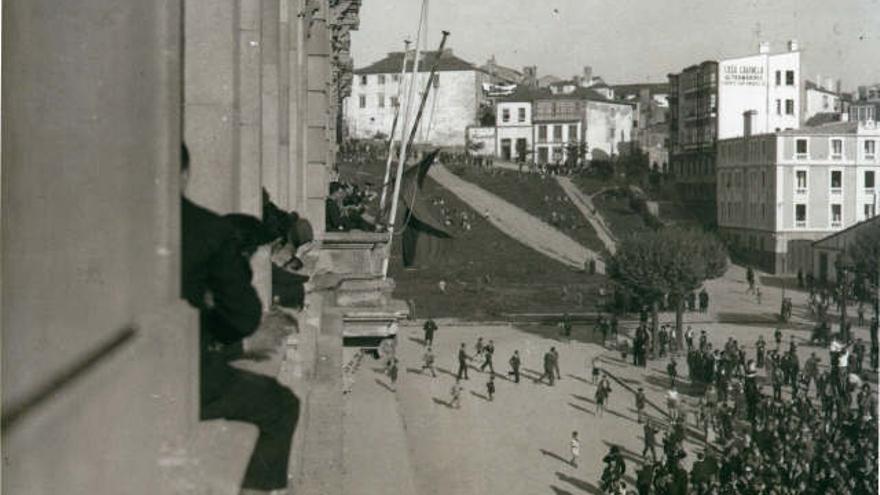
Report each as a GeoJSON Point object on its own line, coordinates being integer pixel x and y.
{"type": "Point", "coordinates": [518, 442]}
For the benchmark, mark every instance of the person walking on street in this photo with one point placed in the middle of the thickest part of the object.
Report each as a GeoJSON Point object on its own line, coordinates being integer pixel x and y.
{"type": "Point", "coordinates": [428, 361]}
{"type": "Point", "coordinates": [603, 390]}
{"type": "Point", "coordinates": [488, 351]}
{"type": "Point", "coordinates": [429, 328]}
{"type": "Point", "coordinates": [548, 369]}
{"type": "Point", "coordinates": [556, 363]}
{"type": "Point", "coordinates": [689, 338]}
{"type": "Point", "coordinates": [650, 441]}
{"type": "Point", "coordinates": [478, 347]}
{"type": "Point", "coordinates": [455, 392]}
{"type": "Point", "coordinates": [391, 370]}
{"type": "Point", "coordinates": [750, 278]}
{"type": "Point", "coordinates": [462, 363]}
{"type": "Point", "coordinates": [760, 347]}
{"type": "Point", "coordinates": [514, 366]}
{"type": "Point", "coordinates": [672, 371]}
{"type": "Point", "coordinates": [758, 295]}
{"type": "Point", "coordinates": [575, 449]}
{"type": "Point", "coordinates": [640, 404]}
{"type": "Point", "coordinates": [490, 387]}
{"type": "Point", "coordinates": [777, 335]}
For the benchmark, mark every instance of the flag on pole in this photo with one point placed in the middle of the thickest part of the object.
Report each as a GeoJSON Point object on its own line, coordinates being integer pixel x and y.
{"type": "Point", "coordinates": [424, 237]}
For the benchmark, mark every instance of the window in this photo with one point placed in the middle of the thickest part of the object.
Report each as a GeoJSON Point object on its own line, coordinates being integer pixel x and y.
{"type": "Point", "coordinates": [836, 181]}
{"type": "Point", "coordinates": [505, 115]}
{"type": "Point", "coordinates": [395, 102]}
{"type": "Point", "coordinates": [778, 106]}
{"type": "Point", "coordinates": [836, 215]}
{"type": "Point", "coordinates": [837, 149]}
{"type": "Point", "coordinates": [789, 107]}
{"type": "Point", "coordinates": [395, 77]}
{"type": "Point", "coordinates": [381, 99]}
{"type": "Point", "coordinates": [573, 133]}
{"type": "Point", "coordinates": [801, 182]}
{"type": "Point", "coordinates": [542, 133]}
{"type": "Point", "coordinates": [869, 182]}
{"type": "Point", "coordinates": [779, 78]}
{"type": "Point", "coordinates": [363, 80]}
{"type": "Point", "coordinates": [436, 81]}
{"type": "Point", "coordinates": [362, 101]}
{"type": "Point", "coordinates": [557, 133]}
{"type": "Point", "coordinates": [869, 211]}
{"type": "Point", "coordinates": [381, 79]}
{"type": "Point", "coordinates": [870, 149]}
{"type": "Point", "coordinates": [521, 115]}
{"type": "Point", "coordinates": [789, 78]}
{"type": "Point", "coordinates": [825, 102]}
{"type": "Point", "coordinates": [801, 148]}
{"type": "Point", "coordinates": [800, 215]}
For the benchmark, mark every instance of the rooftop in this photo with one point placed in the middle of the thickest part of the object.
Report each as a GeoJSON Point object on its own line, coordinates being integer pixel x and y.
{"type": "Point", "coordinates": [811, 85]}
{"type": "Point", "coordinates": [624, 90]}
{"type": "Point", "coordinates": [392, 62]}
{"type": "Point", "coordinates": [830, 128]}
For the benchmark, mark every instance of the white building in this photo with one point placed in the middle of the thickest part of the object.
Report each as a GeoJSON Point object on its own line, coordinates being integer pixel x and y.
{"type": "Point", "coordinates": [820, 98]}
{"type": "Point", "coordinates": [766, 84]}
{"type": "Point", "coordinates": [779, 192]}
{"type": "Point", "coordinates": [451, 107]}
{"type": "Point", "coordinates": [513, 124]}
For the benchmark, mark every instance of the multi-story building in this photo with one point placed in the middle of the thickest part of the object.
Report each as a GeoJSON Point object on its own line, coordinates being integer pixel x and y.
{"type": "Point", "coordinates": [867, 105]}
{"type": "Point", "coordinates": [650, 126]}
{"type": "Point", "coordinates": [779, 192]}
{"type": "Point", "coordinates": [707, 103]}
{"type": "Point", "coordinates": [579, 115]}
{"type": "Point", "coordinates": [513, 124]}
{"type": "Point", "coordinates": [452, 104]}
{"type": "Point", "coordinates": [820, 98]}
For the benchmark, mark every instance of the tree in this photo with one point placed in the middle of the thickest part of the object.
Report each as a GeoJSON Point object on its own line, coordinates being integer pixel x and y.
{"type": "Point", "coordinates": [865, 255]}
{"type": "Point", "coordinates": [672, 262]}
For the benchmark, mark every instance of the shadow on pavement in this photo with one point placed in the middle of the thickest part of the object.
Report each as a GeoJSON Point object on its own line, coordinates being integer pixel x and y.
{"type": "Point", "coordinates": [481, 396]}
{"type": "Point", "coordinates": [559, 491]}
{"type": "Point", "coordinates": [684, 387]}
{"type": "Point", "coordinates": [581, 408]}
{"type": "Point", "coordinates": [580, 379]}
{"type": "Point", "coordinates": [555, 456]}
{"type": "Point", "coordinates": [384, 385]}
{"type": "Point", "coordinates": [442, 402]}
{"type": "Point", "coordinates": [578, 483]}
{"type": "Point", "coordinates": [446, 372]}
{"type": "Point", "coordinates": [417, 340]}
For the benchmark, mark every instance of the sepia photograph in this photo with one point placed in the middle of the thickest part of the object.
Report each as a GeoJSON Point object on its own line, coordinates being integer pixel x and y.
{"type": "Point", "coordinates": [278, 247]}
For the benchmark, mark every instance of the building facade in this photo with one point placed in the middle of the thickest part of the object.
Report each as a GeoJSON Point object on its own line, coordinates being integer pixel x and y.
{"type": "Point", "coordinates": [567, 118]}
{"type": "Point", "coordinates": [452, 104]}
{"type": "Point", "coordinates": [514, 126]}
{"type": "Point", "coordinates": [650, 120]}
{"type": "Point", "coordinates": [779, 192]}
{"type": "Point", "coordinates": [825, 252]}
{"type": "Point", "coordinates": [820, 99]}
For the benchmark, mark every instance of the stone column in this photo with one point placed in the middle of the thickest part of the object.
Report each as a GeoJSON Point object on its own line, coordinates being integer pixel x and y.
{"type": "Point", "coordinates": [318, 116]}
{"type": "Point", "coordinates": [98, 349]}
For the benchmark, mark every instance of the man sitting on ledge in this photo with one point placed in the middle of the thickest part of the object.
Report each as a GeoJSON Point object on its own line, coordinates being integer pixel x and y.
{"type": "Point", "coordinates": [216, 279]}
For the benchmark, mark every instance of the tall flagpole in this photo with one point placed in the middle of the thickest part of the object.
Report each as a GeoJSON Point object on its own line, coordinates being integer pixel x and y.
{"type": "Point", "coordinates": [401, 157]}
{"type": "Point", "coordinates": [394, 128]}
{"type": "Point", "coordinates": [412, 136]}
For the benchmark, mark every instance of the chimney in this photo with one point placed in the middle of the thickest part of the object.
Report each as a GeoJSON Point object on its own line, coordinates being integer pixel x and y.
{"type": "Point", "coordinates": [829, 84]}
{"type": "Point", "coordinates": [792, 45]}
{"type": "Point", "coordinates": [588, 74]}
{"type": "Point", "coordinates": [747, 122]}
{"type": "Point", "coordinates": [818, 81]}
{"type": "Point", "coordinates": [838, 87]}
{"type": "Point", "coordinates": [764, 47]}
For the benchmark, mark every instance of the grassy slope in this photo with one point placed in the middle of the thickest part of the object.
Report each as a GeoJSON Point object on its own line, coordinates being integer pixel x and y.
{"type": "Point", "coordinates": [528, 191]}
{"type": "Point", "coordinates": [520, 279]}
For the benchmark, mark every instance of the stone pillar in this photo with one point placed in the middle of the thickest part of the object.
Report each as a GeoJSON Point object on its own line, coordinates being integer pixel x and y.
{"type": "Point", "coordinates": [99, 354]}
{"type": "Point", "coordinates": [318, 116]}
{"type": "Point", "coordinates": [298, 18]}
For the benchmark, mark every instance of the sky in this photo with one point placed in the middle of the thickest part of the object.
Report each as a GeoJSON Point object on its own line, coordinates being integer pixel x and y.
{"type": "Point", "coordinates": [628, 41]}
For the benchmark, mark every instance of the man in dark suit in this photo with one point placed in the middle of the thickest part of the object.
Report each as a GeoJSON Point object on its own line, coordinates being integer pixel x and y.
{"type": "Point", "coordinates": [462, 363]}
{"type": "Point", "coordinates": [216, 280]}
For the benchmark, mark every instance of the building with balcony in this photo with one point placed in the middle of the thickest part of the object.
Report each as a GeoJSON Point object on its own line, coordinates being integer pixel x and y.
{"type": "Point", "coordinates": [866, 105]}
{"type": "Point", "coordinates": [707, 103]}
{"type": "Point", "coordinates": [452, 105]}
{"type": "Point", "coordinates": [779, 192]}
{"type": "Point", "coordinates": [580, 115]}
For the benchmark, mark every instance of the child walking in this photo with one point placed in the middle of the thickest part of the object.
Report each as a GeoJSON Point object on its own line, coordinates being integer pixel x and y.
{"type": "Point", "coordinates": [575, 449]}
